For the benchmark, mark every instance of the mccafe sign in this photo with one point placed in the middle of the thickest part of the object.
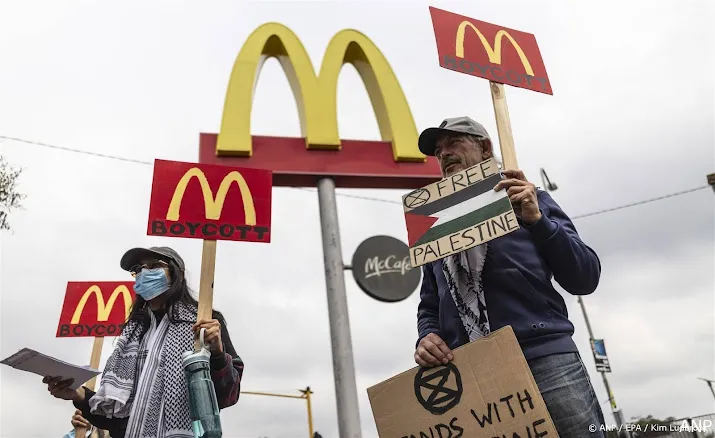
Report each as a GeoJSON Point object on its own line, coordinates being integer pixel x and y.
{"type": "Point", "coordinates": [389, 265]}
{"type": "Point", "coordinates": [382, 269]}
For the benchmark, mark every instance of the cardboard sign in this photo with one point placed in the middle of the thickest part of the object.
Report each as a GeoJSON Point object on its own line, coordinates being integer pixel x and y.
{"type": "Point", "coordinates": [95, 308]}
{"type": "Point", "coordinates": [209, 209]}
{"type": "Point", "coordinates": [457, 213]}
{"type": "Point", "coordinates": [489, 51]}
{"type": "Point", "coordinates": [486, 391]}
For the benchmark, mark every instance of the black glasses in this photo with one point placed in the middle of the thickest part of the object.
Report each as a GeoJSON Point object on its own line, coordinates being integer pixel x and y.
{"type": "Point", "coordinates": [153, 264]}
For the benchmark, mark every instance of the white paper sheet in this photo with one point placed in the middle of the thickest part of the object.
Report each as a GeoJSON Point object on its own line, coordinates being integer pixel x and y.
{"type": "Point", "coordinates": [34, 362]}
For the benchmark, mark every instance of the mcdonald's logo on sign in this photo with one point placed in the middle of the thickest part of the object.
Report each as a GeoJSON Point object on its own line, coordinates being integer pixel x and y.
{"type": "Point", "coordinates": [394, 162]}
{"type": "Point", "coordinates": [91, 309]}
{"type": "Point", "coordinates": [209, 208]}
{"type": "Point", "coordinates": [482, 49]}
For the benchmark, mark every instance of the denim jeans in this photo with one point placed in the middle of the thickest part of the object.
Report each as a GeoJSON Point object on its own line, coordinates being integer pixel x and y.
{"type": "Point", "coordinates": [569, 395]}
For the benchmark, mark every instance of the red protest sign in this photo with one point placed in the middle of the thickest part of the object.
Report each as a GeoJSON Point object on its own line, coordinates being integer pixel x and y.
{"type": "Point", "coordinates": [95, 308]}
{"type": "Point", "coordinates": [489, 51]}
{"type": "Point", "coordinates": [213, 207]}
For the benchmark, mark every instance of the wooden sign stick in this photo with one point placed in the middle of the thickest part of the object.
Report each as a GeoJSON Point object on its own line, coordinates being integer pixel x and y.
{"type": "Point", "coordinates": [206, 292]}
{"type": "Point", "coordinates": [501, 112]}
{"type": "Point", "coordinates": [94, 359]}
{"type": "Point", "coordinates": [80, 432]}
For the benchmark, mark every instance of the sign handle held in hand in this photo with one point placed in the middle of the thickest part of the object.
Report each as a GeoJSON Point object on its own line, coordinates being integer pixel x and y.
{"type": "Point", "coordinates": [93, 363]}
{"type": "Point", "coordinates": [94, 359]}
{"type": "Point", "coordinates": [220, 217]}
{"type": "Point", "coordinates": [95, 309]}
{"type": "Point", "coordinates": [506, 139]}
{"type": "Point", "coordinates": [206, 291]}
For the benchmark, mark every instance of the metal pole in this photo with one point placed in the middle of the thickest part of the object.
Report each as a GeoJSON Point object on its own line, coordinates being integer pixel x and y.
{"type": "Point", "coordinates": [269, 394]}
{"type": "Point", "coordinates": [616, 415]}
{"type": "Point", "coordinates": [307, 393]}
{"type": "Point", "coordinates": [343, 364]}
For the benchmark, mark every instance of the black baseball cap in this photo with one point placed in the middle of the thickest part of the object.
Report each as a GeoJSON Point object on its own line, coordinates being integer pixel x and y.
{"type": "Point", "coordinates": [135, 255]}
{"type": "Point", "coordinates": [463, 125]}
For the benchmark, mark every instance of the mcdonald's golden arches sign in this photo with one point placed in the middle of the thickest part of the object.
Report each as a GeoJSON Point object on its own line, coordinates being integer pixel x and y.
{"type": "Point", "coordinates": [95, 308]}
{"type": "Point", "coordinates": [210, 202]}
{"type": "Point", "coordinates": [395, 162]}
{"type": "Point", "coordinates": [489, 51]}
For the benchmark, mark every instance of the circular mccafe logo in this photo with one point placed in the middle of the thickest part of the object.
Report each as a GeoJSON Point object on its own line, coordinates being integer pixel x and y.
{"type": "Point", "coordinates": [382, 269]}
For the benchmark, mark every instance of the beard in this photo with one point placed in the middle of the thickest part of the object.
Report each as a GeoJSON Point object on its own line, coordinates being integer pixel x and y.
{"type": "Point", "coordinates": [452, 166]}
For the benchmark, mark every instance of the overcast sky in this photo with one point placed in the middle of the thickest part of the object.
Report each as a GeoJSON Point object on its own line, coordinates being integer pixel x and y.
{"type": "Point", "coordinates": [631, 118]}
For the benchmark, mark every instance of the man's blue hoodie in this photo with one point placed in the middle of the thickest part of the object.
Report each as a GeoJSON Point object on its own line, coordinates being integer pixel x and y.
{"type": "Point", "coordinates": [516, 279]}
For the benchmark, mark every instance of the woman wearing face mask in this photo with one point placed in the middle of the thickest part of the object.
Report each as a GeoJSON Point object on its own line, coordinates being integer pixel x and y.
{"type": "Point", "coordinates": [143, 391]}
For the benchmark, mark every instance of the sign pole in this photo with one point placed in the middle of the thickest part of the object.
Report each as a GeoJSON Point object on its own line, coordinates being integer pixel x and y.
{"type": "Point", "coordinates": [343, 363]}
{"type": "Point", "coordinates": [206, 291]}
{"type": "Point", "coordinates": [617, 414]}
{"type": "Point", "coordinates": [94, 359]}
{"type": "Point", "coordinates": [93, 363]}
{"type": "Point", "coordinates": [306, 392]}
{"type": "Point", "coordinates": [305, 396]}
{"type": "Point", "coordinates": [506, 139]}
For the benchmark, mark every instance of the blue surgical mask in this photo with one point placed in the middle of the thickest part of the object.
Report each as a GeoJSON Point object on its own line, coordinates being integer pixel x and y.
{"type": "Point", "coordinates": [150, 283]}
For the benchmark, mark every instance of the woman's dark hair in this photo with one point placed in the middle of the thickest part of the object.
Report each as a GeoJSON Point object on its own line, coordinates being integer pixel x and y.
{"type": "Point", "coordinates": [178, 292]}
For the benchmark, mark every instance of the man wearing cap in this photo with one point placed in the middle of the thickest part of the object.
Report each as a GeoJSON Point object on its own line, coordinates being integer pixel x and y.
{"type": "Point", "coordinates": [507, 281]}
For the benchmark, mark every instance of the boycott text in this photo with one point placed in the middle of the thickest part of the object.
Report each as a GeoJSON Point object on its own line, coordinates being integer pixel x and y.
{"type": "Point", "coordinates": [210, 231]}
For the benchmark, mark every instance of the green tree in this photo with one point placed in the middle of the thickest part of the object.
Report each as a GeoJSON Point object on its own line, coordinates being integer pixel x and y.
{"type": "Point", "coordinates": [9, 197]}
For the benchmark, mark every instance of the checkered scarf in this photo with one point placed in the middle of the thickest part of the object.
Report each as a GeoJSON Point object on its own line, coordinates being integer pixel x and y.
{"type": "Point", "coordinates": [144, 378]}
{"type": "Point", "coordinates": [463, 272]}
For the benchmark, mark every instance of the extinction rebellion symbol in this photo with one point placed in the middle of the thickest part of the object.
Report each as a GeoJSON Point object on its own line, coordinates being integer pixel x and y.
{"type": "Point", "coordinates": [438, 389]}
{"type": "Point", "coordinates": [417, 198]}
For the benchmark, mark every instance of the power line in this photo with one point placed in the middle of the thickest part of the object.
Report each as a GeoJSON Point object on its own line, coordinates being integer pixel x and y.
{"type": "Point", "coordinates": [78, 151]}
{"type": "Point", "coordinates": [345, 195]}
{"type": "Point", "coordinates": [671, 195]}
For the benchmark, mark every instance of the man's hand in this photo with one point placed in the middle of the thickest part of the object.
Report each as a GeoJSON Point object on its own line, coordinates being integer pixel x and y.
{"type": "Point", "coordinates": [522, 195]}
{"type": "Point", "coordinates": [432, 351]}
{"type": "Point", "coordinates": [61, 389]}
{"type": "Point", "coordinates": [212, 336]}
{"type": "Point", "coordinates": [79, 421]}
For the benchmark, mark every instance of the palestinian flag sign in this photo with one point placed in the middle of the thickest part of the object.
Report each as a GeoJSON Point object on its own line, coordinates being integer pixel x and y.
{"type": "Point", "coordinates": [457, 213]}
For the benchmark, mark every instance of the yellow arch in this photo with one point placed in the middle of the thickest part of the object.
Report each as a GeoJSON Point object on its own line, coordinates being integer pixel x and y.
{"type": "Point", "coordinates": [212, 207]}
{"type": "Point", "coordinates": [103, 310]}
{"type": "Point", "coordinates": [316, 96]}
{"type": "Point", "coordinates": [493, 53]}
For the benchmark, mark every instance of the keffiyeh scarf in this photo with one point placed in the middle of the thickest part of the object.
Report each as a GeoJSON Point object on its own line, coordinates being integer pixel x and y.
{"type": "Point", "coordinates": [463, 272]}
{"type": "Point", "coordinates": [144, 379]}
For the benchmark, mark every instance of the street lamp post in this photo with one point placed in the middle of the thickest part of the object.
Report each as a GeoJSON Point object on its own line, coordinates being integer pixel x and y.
{"type": "Point", "coordinates": [306, 393]}
{"type": "Point", "coordinates": [617, 413]}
